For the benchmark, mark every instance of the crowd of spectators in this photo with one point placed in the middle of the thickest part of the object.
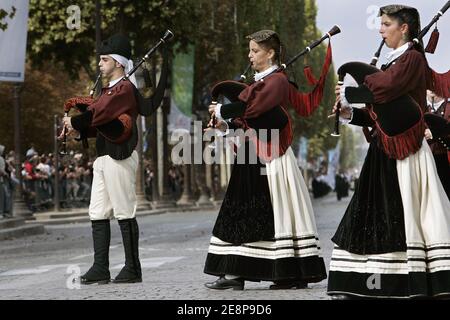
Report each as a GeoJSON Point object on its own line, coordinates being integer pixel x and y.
{"type": "Point", "coordinates": [75, 178]}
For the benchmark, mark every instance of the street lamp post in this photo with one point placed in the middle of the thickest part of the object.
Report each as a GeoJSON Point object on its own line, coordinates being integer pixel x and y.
{"type": "Point", "coordinates": [186, 198]}
{"type": "Point", "coordinates": [142, 203]}
{"type": "Point", "coordinates": [166, 199]}
{"type": "Point", "coordinates": [19, 207]}
{"type": "Point", "coordinates": [201, 181]}
{"type": "Point", "coordinates": [56, 163]}
{"type": "Point", "coordinates": [153, 143]}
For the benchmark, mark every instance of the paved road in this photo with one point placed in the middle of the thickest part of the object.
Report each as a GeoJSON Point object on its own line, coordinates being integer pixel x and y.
{"type": "Point", "coordinates": [173, 247]}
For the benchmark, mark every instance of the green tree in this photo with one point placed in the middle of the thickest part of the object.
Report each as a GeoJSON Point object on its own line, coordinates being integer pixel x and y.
{"type": "Point", "coordinates": [217, 29]}
{"type": "Point", "coordinates": [316, 127]}
{"type": "Point", "coordinates": [348, 157]}
{"type": "Point", "coordinates": [54, 51]}
{"type": "Point", "coordinates": [50, 39]}
{"type": "Point", "coordinates": [43, 94]}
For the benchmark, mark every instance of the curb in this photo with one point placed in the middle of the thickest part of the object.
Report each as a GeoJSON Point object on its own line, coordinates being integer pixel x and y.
{"type": "Point", "coordinates": [55, 218]}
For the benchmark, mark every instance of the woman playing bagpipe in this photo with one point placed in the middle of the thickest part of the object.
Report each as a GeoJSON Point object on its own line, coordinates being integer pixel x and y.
{"type": "Point", "coordinates": [111, 119]}
{"type": "Point", "coordinates": [394, 239]}
{"type": "Point", "coordinates": [266, 230]}
{"type": "Point", "coordinates": [438, 114]}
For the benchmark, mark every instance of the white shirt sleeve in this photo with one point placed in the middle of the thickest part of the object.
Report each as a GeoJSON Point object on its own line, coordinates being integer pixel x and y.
{"type": "Point", "coordinates": [344, 101]}
{"type": "Point", "coordinates": [345, 120]}
{"type": "Point", "coordinates": [217, 111]}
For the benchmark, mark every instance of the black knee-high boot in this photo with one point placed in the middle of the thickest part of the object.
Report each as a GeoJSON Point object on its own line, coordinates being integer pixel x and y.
{"type": "Point", "coordinates": [99, 272]}
{"type": "Point", "coordinates": [131, 272]}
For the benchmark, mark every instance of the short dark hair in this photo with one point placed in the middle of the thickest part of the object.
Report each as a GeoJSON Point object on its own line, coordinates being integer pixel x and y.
{"type": "Point", "coordinates": [269, 39]}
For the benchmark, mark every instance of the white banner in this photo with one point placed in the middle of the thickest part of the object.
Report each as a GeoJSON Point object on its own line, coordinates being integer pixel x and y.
{"type": "Point", "coordinates": [13, 41]}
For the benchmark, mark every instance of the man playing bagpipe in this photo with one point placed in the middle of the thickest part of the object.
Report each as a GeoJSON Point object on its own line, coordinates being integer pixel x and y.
{"type": "Point", "coordinates": [111, 119]}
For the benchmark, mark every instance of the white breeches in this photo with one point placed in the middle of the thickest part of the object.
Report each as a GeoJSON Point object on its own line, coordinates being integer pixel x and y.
{"type": "Point", "coordinates": [114, 188]}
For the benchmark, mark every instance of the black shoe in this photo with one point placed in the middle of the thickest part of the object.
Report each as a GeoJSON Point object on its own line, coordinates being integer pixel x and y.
{"type": "Point", "coordinates": [99, 272]}
{"type": "Point", "coordinates": [222, 284]}
{"type": "Point", "coordinates": [89, 279]}
{"type": "Point", "coordinates": [445, 296]}
{"type": "Point", "coordinates": [127, 275]}
{"type": "Point", "coordinates": [289, 284]}
{"type": "Point", "coordinates": [131, 272]}
{"type": "Point", "coordinates": [127, 280]}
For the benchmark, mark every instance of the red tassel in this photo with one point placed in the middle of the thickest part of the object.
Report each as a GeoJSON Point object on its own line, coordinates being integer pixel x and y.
{"type": "Point", "coordinates": [432, 43]}
{"type": "Point", "coordinates": [306, 103]}
{"type": "Point", "coordinates": [440, 83]}
{"type": "Point", "coordinates": [312, 81]}
{"type": "Point", "coordinates": [402, 145]}
{"type": "Point", "coordinates": [72, 102]}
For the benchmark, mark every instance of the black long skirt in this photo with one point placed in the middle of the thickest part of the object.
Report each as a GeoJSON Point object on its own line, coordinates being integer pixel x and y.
{"type": "Point", "coordinates": [245, 242]}
{"type": "Point", "coordinates": [246, 214]}
{"type": "Point", "coordinates": [374, 220]}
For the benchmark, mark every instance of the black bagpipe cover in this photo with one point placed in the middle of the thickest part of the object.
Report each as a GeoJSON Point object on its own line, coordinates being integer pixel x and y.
{"type": "Point", "coordinates": [438, 125]}
{"type": "Point", "coordinates": [395, 116]}
{"type": "Point", "coordinates": [275, 118]}
{"type": "Point", "coordinates": [229, 89]}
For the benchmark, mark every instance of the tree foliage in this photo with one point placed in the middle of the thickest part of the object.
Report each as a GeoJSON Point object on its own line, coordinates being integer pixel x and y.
{"type": "Point", "coordinates": [348, 157]}
{"type": "Point", "coordinates": [42, 96]}
{"type": "Point", "coordinates": [50, 39]}
{"type": "Point", "coordinates": [216, 29]}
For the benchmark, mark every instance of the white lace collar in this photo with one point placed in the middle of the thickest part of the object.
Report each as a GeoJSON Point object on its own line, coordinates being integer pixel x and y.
{"type": "Point", "coordinates": [391, 56]}
{"type": "Point", "coordinates": [260, 75]}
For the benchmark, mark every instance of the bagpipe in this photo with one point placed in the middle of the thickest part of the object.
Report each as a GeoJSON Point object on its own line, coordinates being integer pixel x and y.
{"type": "Point", "coordinates": [81, 104]}
{"type": "Point", "coordinates": [403, 105]}
{"type": "Point", "coordinates": [231, 89]}
{"type": "Point", "coordinates": [120, 129]}
{"type": "Point", "coordinates": [440, 129]}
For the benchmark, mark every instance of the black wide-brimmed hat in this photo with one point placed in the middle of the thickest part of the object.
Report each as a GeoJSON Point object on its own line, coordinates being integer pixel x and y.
{"type": "Point", "coordinates": [116, 44]}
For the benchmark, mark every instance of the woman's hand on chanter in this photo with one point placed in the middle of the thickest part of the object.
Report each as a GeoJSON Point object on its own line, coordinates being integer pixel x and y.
{"type": "Point", "coordinates": [212, 108]}
{"type": "Point", "coordinates": [337, 91]}
{"type": "Point", "coordinates": [220, 125]}
{"type": "Point", "coordinates": [428, 134]}
{"type": "Point", "coordinates": [344, 112]}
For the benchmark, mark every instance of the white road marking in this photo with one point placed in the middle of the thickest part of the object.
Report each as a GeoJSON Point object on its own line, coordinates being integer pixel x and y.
{"type": "Point", "coordinates": [30, 271]}
{"type": "Point", "coordinates": [149, 263]}
{"type": "Point", "coordinates": [150, 249]}
{"type": "Point", "coordinates": [91, 254]}
{"type": "Point", "coordinates": [81, 256]}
